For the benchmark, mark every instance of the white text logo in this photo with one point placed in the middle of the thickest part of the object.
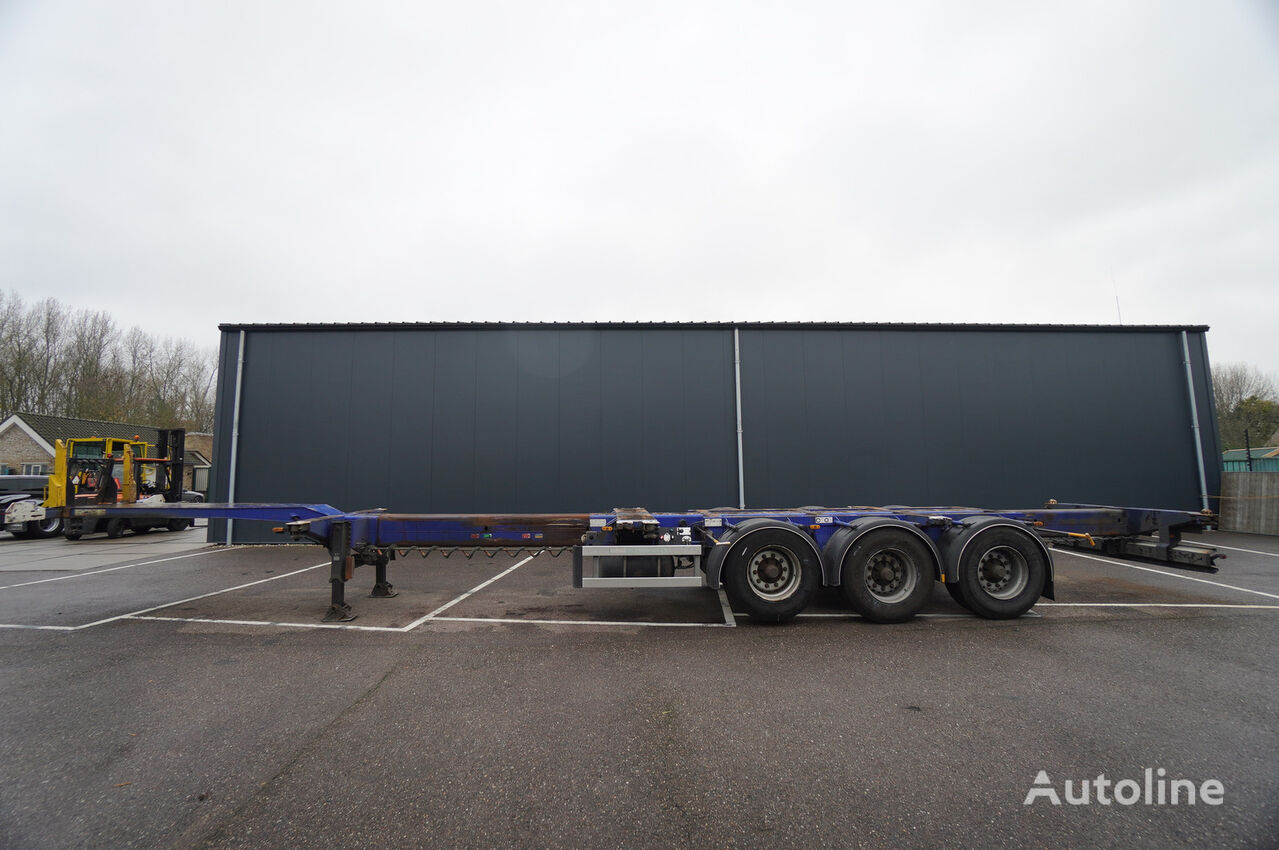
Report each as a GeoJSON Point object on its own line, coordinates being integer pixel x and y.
{"type": "Point", "coordinates": [1154, 790]}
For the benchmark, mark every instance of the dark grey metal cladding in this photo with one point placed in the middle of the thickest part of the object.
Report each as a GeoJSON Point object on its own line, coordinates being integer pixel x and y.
{"type": "Point", "coordinates": [573, 418]}
{"type": "Point", "coordinates": [995, 417]}
{"type": "Point", "coordinates": [483, 419]}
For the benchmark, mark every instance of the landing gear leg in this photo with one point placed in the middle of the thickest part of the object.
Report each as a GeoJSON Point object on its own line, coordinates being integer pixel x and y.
{"type": "Point", "coordinates": [341, 563]}
{"type": "Point", "coordinates": [382, 589]}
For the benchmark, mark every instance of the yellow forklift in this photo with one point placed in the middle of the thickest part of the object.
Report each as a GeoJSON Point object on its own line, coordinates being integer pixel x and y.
{"type": "Point", "coordinates": [91, 473]}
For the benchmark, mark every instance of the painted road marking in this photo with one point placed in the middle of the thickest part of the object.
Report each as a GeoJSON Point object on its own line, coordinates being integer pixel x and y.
{"type": "Point", "coordinates": [113, 569]}
{"type": "Point", "coordinates": [729, 619]}
{"type": "Point", "coordinates": [1149, 605]}
{"type": "Point", "coordinates": [1166, 573]}
{"type": "Point", "coordinates": [469, 593]}
{"type": "Point", "coordinates": [268, 623]}
{"type": "Point", "coordinates": [137, 614]}
{"type": "Point", "coordinates": [943, 615]}
{"type": "Point", "coordinates": [585, 622]}
{"type": "Point", "coordinates": [202, 596]}
{"type": "Point", "coordinates": [1250, 551]}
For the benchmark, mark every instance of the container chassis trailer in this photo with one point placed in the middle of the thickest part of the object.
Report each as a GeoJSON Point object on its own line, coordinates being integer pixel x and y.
{"type": "Point", "coordinates": [770, 563]}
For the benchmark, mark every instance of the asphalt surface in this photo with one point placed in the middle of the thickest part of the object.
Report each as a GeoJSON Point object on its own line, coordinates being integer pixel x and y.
{"type": "Point", "coordinates": [96, 550]}
{"type": "Point", "coordinates": [193, 701]}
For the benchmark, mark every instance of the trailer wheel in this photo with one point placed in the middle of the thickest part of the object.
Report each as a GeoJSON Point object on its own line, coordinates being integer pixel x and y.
{"type": "Point", "coordinates": [887, 575]}
{"type": "Point", "coordinates": [178, 524]}
{"type": "Point", "coordinates": [115, 528]}
{"type": "Point", "coordinates": [1002, 573]}
{"type": "Point", "coordinates": [73, 529]}
{"type": "Point", "coordinates": [771, 574]}
{"type": "Point", "coordinates": [42, 528]}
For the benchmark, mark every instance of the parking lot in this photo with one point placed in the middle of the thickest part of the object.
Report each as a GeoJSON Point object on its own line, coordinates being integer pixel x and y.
{"type": "Point", "coordinates": [181, 694]}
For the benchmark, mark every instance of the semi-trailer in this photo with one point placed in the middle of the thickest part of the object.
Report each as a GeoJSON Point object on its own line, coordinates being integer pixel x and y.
{"type": "Point", "coordinates": [770, 563]}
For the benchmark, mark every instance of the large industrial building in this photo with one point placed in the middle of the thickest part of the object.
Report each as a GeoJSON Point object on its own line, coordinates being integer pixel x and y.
{"type": "Point", "coordinates": [447, 418]}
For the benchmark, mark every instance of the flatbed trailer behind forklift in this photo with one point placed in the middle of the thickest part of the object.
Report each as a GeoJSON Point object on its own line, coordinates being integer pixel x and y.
{"type": "Point", "coordinates": [996, 563]}
{"type": "Point", "coordinates": [105, 471]}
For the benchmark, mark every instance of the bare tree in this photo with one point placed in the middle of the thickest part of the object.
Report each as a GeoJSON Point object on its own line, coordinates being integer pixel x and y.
{"type": "Point", "coordinates": [1234, 382]}
{"type": "Point", "coordinates": [93, 368]}
{"type": "Point", "coordinates": [82, 364]}
{"type": "Point", "coordinates": [1247, 400]}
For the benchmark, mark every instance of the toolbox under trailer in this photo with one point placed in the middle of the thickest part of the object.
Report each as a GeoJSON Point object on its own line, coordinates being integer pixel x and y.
{"type": "Point", "coordinates": [770, 563]}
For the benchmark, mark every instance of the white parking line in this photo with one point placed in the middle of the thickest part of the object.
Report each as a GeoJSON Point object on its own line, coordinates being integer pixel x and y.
{"type": "Point", "coordinates": [269, 623]}
{"type": "Point", "coordinates": [137, 615]}
{"type": "Point", "coordinates": [1149, 605]}
{"type": "Point", "coordinates": [201, 596]}
{"type": "Point", "coordinates": [166, 605]}
{"type": "Point", "coordinates": [1250, 551]}
{"type": "Point", "coordinates": [471, 592]}
{"type": "Point", "coordinates": [1166, 573]}
{"type": "Point", "coordinates": [835, 615]}
{"type": "Point", "coordinates": [729, 619]}
{"type": "Point", "coordinates": [584, 622]}
{"type": "Point", "coordinates": [113, 569]}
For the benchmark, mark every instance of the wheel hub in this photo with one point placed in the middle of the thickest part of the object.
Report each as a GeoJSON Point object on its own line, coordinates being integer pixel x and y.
{"type": "Point", "coordinates": [885, 573]}
{"type": "Point", "coordinates": [996, 569]}
{"type": "Point", "coordinates": [1002, 572]}
{"type": "Point", "coordinates": [773, 573]}
{"type": "Point", "coordinates": [770, 570]}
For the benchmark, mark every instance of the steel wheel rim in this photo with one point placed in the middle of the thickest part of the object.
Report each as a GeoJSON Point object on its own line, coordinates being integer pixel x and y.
{"type": "Point", "coordinates": [1002, 572]}
{"type": "Point", "coordinates": [773, 573]}
{"type": "Point", "coordinates": [890, 575]}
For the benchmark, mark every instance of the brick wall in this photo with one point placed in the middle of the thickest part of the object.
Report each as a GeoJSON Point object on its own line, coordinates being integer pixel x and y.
{"type": "Point", "coordinates": [198, 442]}
{"type": "Point", "coordinates": [16, 448]}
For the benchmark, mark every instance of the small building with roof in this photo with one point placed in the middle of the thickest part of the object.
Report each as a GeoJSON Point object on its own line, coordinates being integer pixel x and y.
{"type": "Point", "coordinates": [1264, 459]}
{"type": "Point", "coordinates": [27, 441]}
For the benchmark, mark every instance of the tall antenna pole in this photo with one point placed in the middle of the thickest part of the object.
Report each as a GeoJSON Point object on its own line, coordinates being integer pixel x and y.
{"type": "Point", "coordinates": [1114, 285]}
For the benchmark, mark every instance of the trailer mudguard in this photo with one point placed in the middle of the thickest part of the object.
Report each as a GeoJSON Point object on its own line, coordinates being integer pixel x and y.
{"type": "Point", "coordinates": [842, 540]}
{"type": "Point", "coordinates": [956, 539]}
{"type": "Point", "coordinates": [715, 560]}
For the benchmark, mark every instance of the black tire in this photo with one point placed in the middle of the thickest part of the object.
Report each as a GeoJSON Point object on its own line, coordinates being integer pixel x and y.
{"type": "Point", "coordinates": [953, 590]}
{"type": "Point", "coordinates": [771, 574]}
{"type": "Point", "coordinates": [115, 528]}
{"type": "Point", "coordinates": [178, 524]}
{"type": "Point", "coordinates": [1002, 573]}
{"type": "Point", "coordinates": [887, 574]}
{"type": "Point", "coordinates": [40, 529]}
{"type": "Point", "coordinates": [21, 534]}
{"type": "Point", "coordinates": [73, 529]}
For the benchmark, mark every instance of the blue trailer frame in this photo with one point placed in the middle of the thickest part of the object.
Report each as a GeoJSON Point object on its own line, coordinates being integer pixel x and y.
{"type": "Point", "coordinates": [996, 563]}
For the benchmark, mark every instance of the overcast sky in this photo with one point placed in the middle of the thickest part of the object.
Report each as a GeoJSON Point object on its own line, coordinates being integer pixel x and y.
{"type": "Point", "coordinates": [185, 164]}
